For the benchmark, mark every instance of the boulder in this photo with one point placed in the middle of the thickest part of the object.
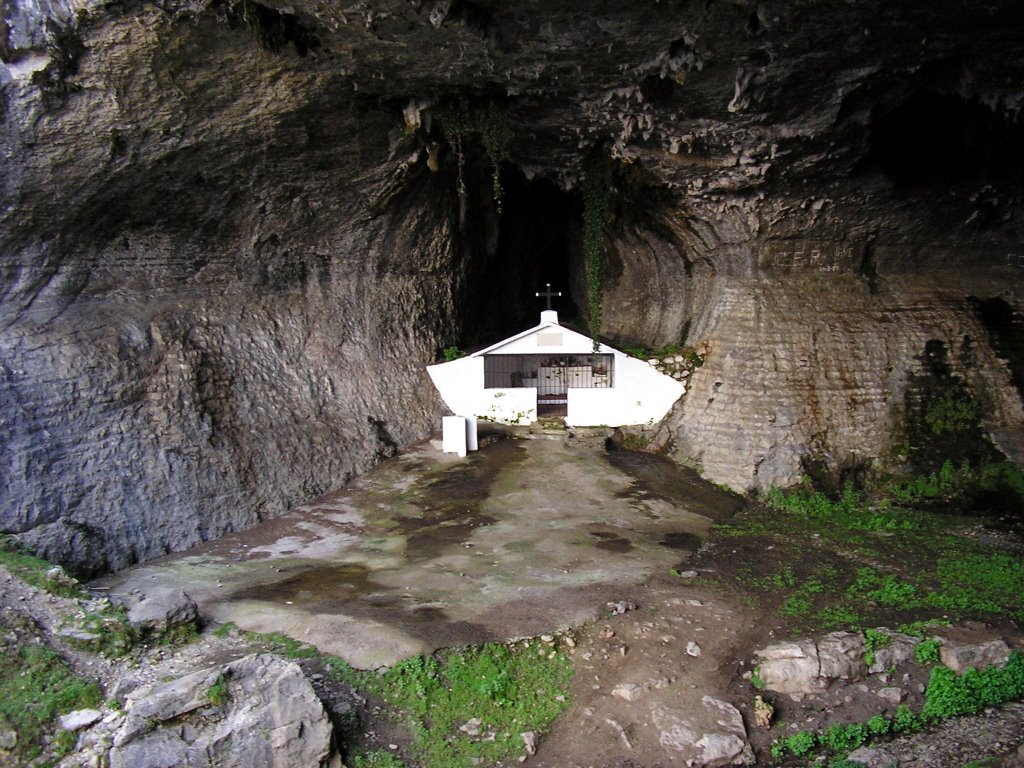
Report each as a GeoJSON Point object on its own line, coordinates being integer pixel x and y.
{"type": "Point", "coordinates": [842, 656]}
{"type": "Point", "coordinates": [805, 666]}
{"type": "Point", "coordinates": [79, 719]}
{"type": "Point", "coordinates": [900, 650]}
{"type": "Point", "coordinates": [57, 575]}
{"type": "Point", "coordinates": [256, 712]}
{"type": "Point", "coordinates": [158, 609]}
{"type": "Point", "coordinates": [714, 736]}
{"type": "Point", "coordinates": [959, 656]}
{"type": "Point", "coordinates": [892, 695]}
{"type": "Point", "coordinates": [790, 667]}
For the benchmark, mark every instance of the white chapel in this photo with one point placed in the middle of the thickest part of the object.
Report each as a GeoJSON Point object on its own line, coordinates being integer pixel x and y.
{"type": "Point", "coordinates": [551, 370]}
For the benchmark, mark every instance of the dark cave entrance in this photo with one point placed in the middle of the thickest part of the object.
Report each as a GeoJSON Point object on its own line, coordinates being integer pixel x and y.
{"type": "Point", "coordinates": [532, 242]}
{"type": "Point", "coordinates": [940, 138]}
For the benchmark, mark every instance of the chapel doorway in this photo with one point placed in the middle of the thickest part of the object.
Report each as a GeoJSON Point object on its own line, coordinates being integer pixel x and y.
{"type": "Point", "coordinates": [552, 406]}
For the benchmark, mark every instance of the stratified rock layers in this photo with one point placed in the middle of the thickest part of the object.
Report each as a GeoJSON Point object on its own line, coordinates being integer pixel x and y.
{"type": "Point", "coordinates": [817, 367]}
{"type": "Point", "coordinates": [207, 320]}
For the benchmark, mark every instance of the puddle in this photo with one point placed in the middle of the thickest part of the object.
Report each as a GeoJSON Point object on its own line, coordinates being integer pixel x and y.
{"type": "Point", "coordinates": [682, 540]}
{"type": "Point", "coordinates": [310, 586]}
{"type": "Point", "coordinates": [681, 486]}
{"type": "Point", "coordinates": [612, 542]}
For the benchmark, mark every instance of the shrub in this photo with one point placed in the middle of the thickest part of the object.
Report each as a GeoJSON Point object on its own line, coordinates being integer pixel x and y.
{"type": "Point", "coordinates": [927, 651]}
{"type": "Point", "coordinates": [905, 720]}
{"type": "Point", "coordinates": [879, 726]}
{"type": "Point", "coordinates": [844, 738]}
{"type": "Point", "coordinates": [949, 695]}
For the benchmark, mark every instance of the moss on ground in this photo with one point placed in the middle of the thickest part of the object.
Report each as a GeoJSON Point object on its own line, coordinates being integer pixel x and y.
{"type": "Point", "coordinates": [36, 687]}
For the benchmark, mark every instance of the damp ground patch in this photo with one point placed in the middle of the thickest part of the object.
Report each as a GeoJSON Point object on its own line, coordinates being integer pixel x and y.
{"type": "Point", "coordinates": [427, 551]}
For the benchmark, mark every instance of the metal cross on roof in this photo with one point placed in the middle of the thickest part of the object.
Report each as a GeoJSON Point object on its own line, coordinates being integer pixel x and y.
{"type": "Point", "coordinates": [549, 294]}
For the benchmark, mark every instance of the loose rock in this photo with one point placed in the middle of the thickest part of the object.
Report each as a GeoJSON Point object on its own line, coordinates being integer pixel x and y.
{"type": "Point", "coordinates": [270, 717]}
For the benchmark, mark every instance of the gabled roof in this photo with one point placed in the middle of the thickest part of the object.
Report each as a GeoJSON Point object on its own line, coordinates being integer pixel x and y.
{"type": "Point", "coordinates": [545, 324]}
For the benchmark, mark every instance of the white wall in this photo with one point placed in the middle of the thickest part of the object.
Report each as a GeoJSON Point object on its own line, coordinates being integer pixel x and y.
{"type": "Point", "coordinates": [641, 395]}
{"type": "Point", "coordinates": [461, 385]}
{"type": "Point", "coordinates": [509, 406]}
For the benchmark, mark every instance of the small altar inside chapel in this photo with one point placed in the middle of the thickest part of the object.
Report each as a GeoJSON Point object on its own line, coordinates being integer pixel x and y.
{"type": "Point", "coordinates": [551, 375]}
{"type": "Point", "coordinates": [551, 370]}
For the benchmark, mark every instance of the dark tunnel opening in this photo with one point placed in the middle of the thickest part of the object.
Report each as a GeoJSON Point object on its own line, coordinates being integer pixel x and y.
{"type": "Point", "coordinates": [532, 246]}
{"type": "Point", "coordinates": [934, 139]}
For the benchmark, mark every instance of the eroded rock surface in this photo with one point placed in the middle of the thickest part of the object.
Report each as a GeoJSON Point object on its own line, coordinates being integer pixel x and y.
{"type": "Point", "coordinates": [257, 711]}
{"type": "Point", "coordinates": [808, 666]}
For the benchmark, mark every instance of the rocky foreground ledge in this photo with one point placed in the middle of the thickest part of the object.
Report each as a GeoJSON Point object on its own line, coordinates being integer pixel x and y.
{"type": "Point", "coordinates": [674, 665]}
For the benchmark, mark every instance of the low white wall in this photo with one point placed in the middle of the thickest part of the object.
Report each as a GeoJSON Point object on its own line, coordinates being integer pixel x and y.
{"type": "Point", "coordinates": [510, 406]}
{"type": "Point", "coordinates": [461, 385]}
{"type": "Point", "coordinates": [641, 395]}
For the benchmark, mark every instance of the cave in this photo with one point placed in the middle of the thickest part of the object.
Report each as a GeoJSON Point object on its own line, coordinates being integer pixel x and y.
{"type": "Point", "coordinates": [235, 234]}
{"type": "Point", "coordinates": [942, 138]}
{"type": "Point", "coordinates": [535, 242]}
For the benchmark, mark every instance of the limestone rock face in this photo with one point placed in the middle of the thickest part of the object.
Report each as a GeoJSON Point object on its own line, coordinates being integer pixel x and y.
{"type": "Point", "coordinates": [808, 666]}
{"type": "Point", "coordinates": [712, 736]}
{"type": "Point", "coordinates": [232, 234]}
{"type": "Point", "coordinates": [264, 715]}
{"type": "Point", "coordinates": [157, 610]}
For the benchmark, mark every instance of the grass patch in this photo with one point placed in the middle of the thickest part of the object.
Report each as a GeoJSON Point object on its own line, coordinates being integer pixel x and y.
{"type": "Point", "coordinates": [379, 758]}
{"type": "Point", "coordinates": [217, 694]}
{"type": "Point", "coordinates": [509, 689]}
{"type": "Point", "coordinates": [32, 570]}
{"type": "Point", "coordinates": [105, 632]}
{"type": "Point", "coordinates": [225, 630]}
{"type": "Point", "coordinates": [948, 695]}
{"type": "Point", "coordinates": [283, 645]}
{"type": "Point", "coordinates": [36, 686]}
{"type": "Point", "coordinates": [853, 560]}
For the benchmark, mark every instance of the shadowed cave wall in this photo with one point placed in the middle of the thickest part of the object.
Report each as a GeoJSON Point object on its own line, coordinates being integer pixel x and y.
{"type": "Point", "coordinates": [231, 236]}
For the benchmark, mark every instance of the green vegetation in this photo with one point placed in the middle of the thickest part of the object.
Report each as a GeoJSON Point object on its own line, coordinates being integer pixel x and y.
{"type": "Point", "coordinates": [452, 353]}
{"type": "Point", "coordinates": [217, 694]}
{"type": "Point", "coordinates": [596, 189]}
{"type": "Point", "coordinates": [283, 645]}
{"type": "Point", "coordinates": [36, 686]}
{"type": "Point", "coordinates": [635, 442]}
{"type": "Point", "coordinates": [379, 758]}
{"type": "Point", "coordinates": [755, 679]}
{"type": "Point", "coordinates": [927, 651]}
{"type": "Point", "coordinates": [225, 630]}
{"type": "Point", "coordinates": [895, 558]}
{"type": "Point", "coordinates": [510, 689]}
{"type": "Point", "coordinates": [491, 124]}
{"type": "Point", "coordinates": [875, 641]}
{"type": "Point", "coordinates": [843, 738]}
{"type": "Point", "coordinates": [180, 634]}
{"type": "Point", "coordinates": [106, 632]}
{"type": "Point", "coordinates": [32, 570]}
{"type": "Point", "coordinates": [948, 695]}
{"type": "Point", "coordinates": [952, 411]}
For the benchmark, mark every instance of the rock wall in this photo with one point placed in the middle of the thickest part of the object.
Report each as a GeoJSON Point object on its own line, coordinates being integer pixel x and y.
{"type": "Point", "coordinates": [204, 323]}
